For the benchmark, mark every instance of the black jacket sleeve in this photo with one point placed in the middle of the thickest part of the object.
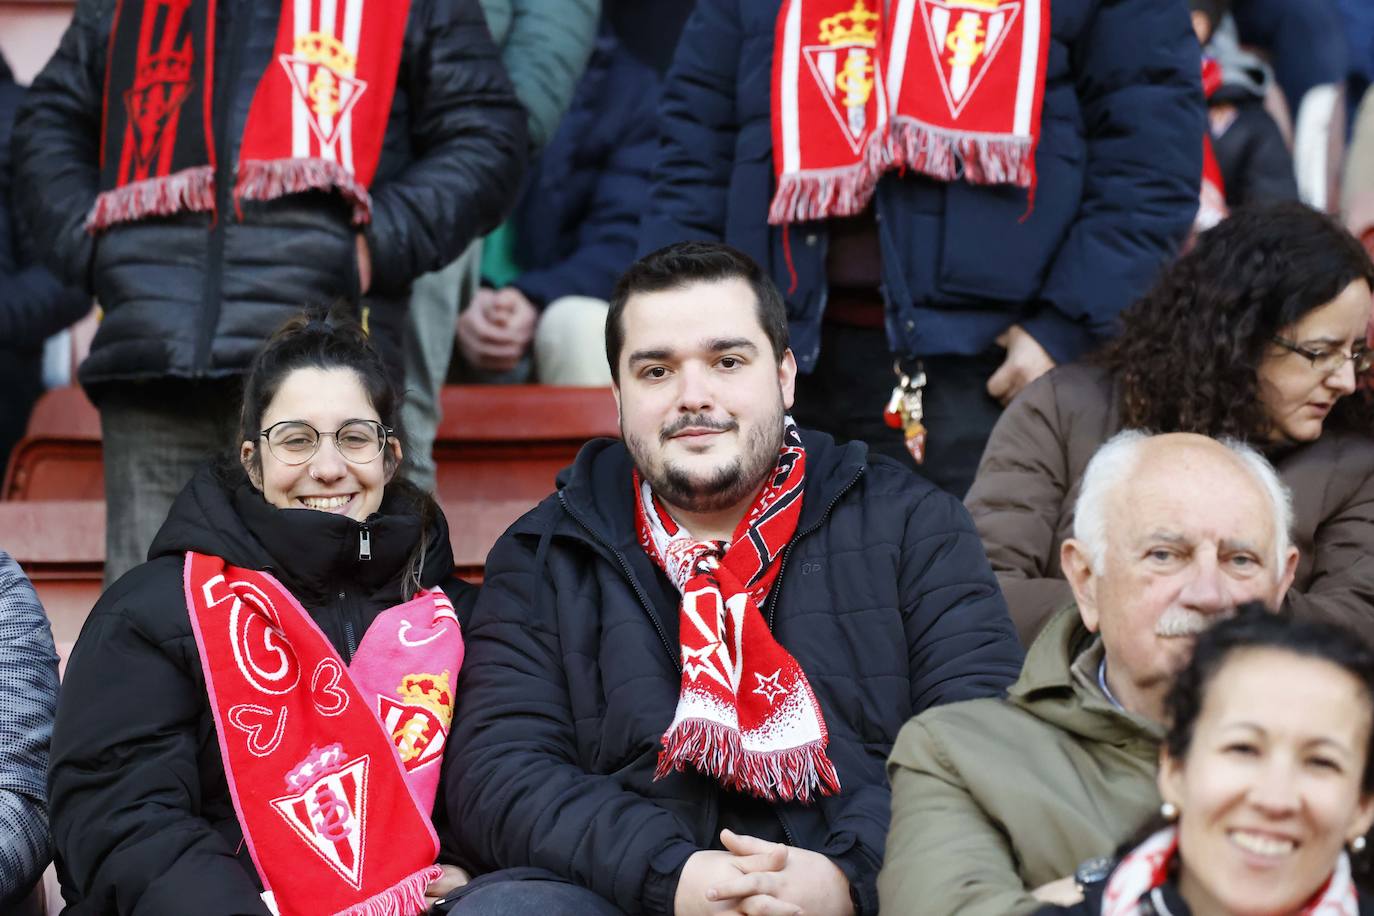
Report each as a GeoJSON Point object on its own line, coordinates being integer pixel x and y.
{"type": "Point", "coordinates": [469, 145]}
{"type": "Point", "coordinates": [57, 146]}
{"type": "Point", "coordinates": [517, 793]}
{"type": "Point", "coordinates": [125, 786]}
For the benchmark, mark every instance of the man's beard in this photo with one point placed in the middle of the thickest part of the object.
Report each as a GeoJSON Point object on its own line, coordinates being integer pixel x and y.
{"type": "Point", "coordinates": [722, 488]}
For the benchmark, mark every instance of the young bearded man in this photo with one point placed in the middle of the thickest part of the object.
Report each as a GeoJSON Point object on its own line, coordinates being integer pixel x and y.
{"type": "Point", "coordinates": [688, 666]}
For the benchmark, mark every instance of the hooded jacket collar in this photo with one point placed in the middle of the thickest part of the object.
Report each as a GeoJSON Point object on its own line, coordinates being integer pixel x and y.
{"type": "Point", "coordinates": [1049, 690]}
{"type": "Point", "coordinates": [597, 495]}
{"type": "Point", "coordinates": [314, 554]}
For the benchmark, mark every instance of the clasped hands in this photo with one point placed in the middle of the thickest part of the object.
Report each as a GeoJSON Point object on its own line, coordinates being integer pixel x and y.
{"type": "Point", "coordinates": [752, 877]}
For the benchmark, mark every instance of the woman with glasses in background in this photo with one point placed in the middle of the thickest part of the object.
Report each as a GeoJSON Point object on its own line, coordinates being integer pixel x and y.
{"type": "Point", "coordinates": [1257, 333]}
{"type": "Point", "coordinates": [252, 721]}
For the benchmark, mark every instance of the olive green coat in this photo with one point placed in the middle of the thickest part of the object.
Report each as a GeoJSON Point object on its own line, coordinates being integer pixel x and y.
{"type": "Point", "coordinates": [993, 798]}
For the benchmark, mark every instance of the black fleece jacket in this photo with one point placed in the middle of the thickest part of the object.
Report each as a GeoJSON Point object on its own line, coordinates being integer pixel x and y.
{"type": "Point", "coordinates": [142, 818]}
{"type": "Point", "coordinates": [885, 599]}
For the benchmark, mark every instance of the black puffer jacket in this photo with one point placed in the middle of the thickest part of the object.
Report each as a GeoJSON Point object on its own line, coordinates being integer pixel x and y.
{"type": "Point", "coordinates": [194, 297]}
{"type": "Point", "coordinates": [571, 675]}
{"type": "Point", "coordinates": [141, 814]}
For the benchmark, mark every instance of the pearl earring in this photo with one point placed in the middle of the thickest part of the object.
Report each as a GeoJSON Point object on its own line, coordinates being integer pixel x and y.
{"type": "Point", "coordinates": [1169, 811]}
{"type": "Point", "coordinates": [1358, 844]}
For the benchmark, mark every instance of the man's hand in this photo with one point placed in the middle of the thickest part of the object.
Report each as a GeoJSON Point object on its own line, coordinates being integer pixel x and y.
{"type": "Point", "coordinates": [807, 880]}
{"type": "Point", "coordinates": [496, 328]}
{"type": "Point", "coordinates": [1063, 892]}
{"type": "Point", "coordinates": [1026, 361]}
{"type": "Point", "coordinates": [698, 888]}
{"type": "Point", "coordinates": [364, 265]}
{"type": "Point", "coordinates": [452, 879]}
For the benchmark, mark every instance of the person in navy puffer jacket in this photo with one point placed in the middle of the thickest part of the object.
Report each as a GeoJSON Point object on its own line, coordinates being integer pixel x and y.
{"type": "Point", "coordinates": [981, 286]}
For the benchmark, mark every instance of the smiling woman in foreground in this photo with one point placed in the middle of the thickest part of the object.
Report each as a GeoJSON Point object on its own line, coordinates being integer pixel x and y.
{"type": "Point", "coordinates": [253, 719]}
{"type": "Point", "coordinates": [1257, 334]}
{"type": "Point", "coordinates": [1266, 775]}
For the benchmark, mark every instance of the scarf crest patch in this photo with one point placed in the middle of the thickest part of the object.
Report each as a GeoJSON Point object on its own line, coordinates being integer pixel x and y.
{"type": "Point", "coordinates": [332, 769]}
{"type": "Point", "coordinates": [948, 88]}
{"type": "Point", "coordinates": [746, 714]}
{"type": "Point", "coordinates": [1147, 867]}
{"type": "Point", "coordinates": [316, 121]}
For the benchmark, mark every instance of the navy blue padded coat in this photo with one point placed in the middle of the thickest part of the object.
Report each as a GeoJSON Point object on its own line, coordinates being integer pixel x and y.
{"type": "Point", "coordinates": [572, 673]}
{"type": "Point", "coordinates": [1118, 163]}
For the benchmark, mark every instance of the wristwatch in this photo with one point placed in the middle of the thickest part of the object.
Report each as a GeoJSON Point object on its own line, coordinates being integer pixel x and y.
{"type": "Point", "coordinates": [1092, 871]}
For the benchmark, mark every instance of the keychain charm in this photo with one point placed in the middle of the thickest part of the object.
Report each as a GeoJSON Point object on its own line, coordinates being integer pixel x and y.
{"type": "Point", "coordinates": [906, 412]}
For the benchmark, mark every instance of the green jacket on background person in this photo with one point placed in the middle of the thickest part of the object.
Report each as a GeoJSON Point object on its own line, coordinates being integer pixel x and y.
{"type": "Point", "coordinates": [992, 798]}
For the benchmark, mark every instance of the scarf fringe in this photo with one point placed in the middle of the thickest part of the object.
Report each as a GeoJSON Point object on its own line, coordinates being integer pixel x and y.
{"type": "Point", "coordinates": [950, 155]}
{"type": "Point", "coordinates": [262, 179]}
{"type": "Point", "coordinates": [190, 189]}
{"type": "Point", "coordinates": [821, 194]}
{"type": "Point", "coordinates": [406, 898]}
{"type": "Point", "coordinates": [791, 774]}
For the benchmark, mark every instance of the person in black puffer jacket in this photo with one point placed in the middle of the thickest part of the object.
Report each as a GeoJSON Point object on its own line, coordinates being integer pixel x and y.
{"type": "Point", "coordinates": [578, 645]}
{"type": "Point", "coordinates": [189, 294]}
{"type": "Point", "coordinates": [143, 819]}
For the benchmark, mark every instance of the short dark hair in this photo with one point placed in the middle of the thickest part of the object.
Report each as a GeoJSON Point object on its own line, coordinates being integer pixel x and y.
{"type": "Point", "coordinates": [685, 263]}
{"type": "Point", "coordinates": [1254, 627]}
{"type": "Point", "coordinates": [1214, 10]}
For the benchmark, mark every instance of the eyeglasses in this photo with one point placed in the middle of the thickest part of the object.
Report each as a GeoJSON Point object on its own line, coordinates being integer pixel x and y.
{"type": "Point", "coordinates": [296, 442]}
{"type": "Point", "coordinates": [1328, 361]}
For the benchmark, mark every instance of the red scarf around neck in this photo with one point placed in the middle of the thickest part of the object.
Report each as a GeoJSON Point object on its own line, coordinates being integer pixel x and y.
{"type": "Point", "coordinates": [1147, 867]}
{"type": "Point", "coordinates": [316, 122]}
{"type": "Point", "coordinates": [1212, 198]}
{"type": "Point", "coordinates": [746, 714]}
{"type": "Point", "coordinates": [948, 88]}
{"type": "Point", "coordinates": [333, 770]}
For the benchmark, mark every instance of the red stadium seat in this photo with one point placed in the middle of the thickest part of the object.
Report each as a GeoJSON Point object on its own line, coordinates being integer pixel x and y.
{"type": "Point", "coordinates": [59, 456]}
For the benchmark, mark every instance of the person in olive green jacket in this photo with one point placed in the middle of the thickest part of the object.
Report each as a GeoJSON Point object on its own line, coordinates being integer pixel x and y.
{"type": "Point", "coordinates": [997, 802]}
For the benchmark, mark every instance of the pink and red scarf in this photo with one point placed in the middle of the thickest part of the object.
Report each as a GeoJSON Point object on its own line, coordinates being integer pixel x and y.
{"type": "Point", "coordinates": [746, 714]}
{"type": "Point", "coordinates": [1147, 867]}
{"type": "Point", "coordinates": [333, 770]}
{"type": "Point", "coordinates": [948, 88]}
{"type": "Point", "coordinates": [316, 121]}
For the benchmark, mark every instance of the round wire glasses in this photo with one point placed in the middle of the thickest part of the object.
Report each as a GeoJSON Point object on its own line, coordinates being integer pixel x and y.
{"type": "Point", "coordinates": [296, 442]}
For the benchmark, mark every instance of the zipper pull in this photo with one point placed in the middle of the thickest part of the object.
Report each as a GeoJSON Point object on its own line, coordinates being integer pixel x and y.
{"type": "Point", "coordinates": [364, 544]}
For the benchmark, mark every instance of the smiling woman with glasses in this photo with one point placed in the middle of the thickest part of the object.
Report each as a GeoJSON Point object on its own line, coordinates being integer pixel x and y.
{"type": "Point", "coordinates": [1258, 333]}
{"type": "Point", "coordinates": [261, 707]}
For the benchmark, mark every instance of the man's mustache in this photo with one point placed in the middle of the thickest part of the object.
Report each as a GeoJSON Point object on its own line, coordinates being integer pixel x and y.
{"type": "Point", "coordinates": [699, 421]}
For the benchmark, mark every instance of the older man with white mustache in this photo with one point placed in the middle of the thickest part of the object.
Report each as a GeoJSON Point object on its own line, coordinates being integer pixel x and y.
{"type": "Point", "coordinates": [1001, 805]}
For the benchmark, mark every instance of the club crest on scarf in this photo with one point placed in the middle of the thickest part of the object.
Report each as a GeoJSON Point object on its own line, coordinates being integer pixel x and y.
{"type": "Point", "coordinates": [419, 721]}
{"type": "Point", "coordinates": [328, 808]}
{"type": "Point", "coordinates": [321, 71]}
{"type": "Point", "coordinates": [162, 81]}
{"type": "Point", "coordinates": [965, 37]}
{"type": "Point", "coordinates": [746, 714]}
{"type": "Point", "coordinates": [844, 66]}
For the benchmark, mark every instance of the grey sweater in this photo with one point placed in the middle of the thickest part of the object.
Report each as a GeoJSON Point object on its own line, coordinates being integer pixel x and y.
{"type": "Point", "coordinates": [28, 700]}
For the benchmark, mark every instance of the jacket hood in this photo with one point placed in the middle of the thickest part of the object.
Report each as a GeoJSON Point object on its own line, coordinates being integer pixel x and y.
{"type": "Point", "coordinates": [1048, 689]}
{"type": "Point", "coordinates": [597, 488]}
{"type": "Point", "coordinates": [312, 553]}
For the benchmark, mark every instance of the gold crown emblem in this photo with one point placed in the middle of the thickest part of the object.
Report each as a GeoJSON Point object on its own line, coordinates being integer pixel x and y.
{"type": "Point", "coordinates": [980, 4]}
{"type": "Point", "coordinates": [430, 691]}
{"type": "Point", "coordinates": [858, 26]}
{"type": "Point", "coordinates": [327, 51]}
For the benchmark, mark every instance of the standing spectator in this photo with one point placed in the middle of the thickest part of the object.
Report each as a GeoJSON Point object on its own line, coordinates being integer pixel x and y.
{"type": "Point", "coordinates": [893, 232]}
{"type": "Point", "coordinates": [544, 47]}
{"type": "Point", "coordinates": [575, 228]}
{"type": "Point", "coordinates": [28, 700]}
{"type": "Point", "coordinates": [205, 191]}
{"type": "Point", "coordinates": [1257, 333]}
{"type": "Point", "coordinates": [1305, 40]}
{"type": "Point", "coordinates": [33, 304]}
{"type": "Point", "coordinates": [1255, 164]}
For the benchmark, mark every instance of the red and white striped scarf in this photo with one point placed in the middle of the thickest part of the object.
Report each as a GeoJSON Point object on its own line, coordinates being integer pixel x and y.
{"type": "Point", "coordinates": [948, 88]}
{"type": "Point", "coordinates": [316, 122]}
{"type": "Point", "coordinates": [333, 770]}
{"type": "Point", "coordinates": [1147, 867]}
{"type": "Point", "coordinates": [746, 714]}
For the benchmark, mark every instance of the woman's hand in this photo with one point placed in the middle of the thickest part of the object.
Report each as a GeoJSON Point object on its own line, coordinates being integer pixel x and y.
{"type": "Point", "coordinates": [452, 879]}
{"type": "Point", "coordinates": [1063, 892]}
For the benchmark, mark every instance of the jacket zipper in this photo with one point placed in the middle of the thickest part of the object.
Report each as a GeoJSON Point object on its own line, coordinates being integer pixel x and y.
{"type": "Point", "coordinates": [224, 181]}
{"type": "Point", "coordinates": [350, 637]}
{"type": "Point", "coordinates": [787, 551]}
{"type": "Point", "coordinates": [364, 543]}
{"type": "Point", "coordinates": [629, 575]}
